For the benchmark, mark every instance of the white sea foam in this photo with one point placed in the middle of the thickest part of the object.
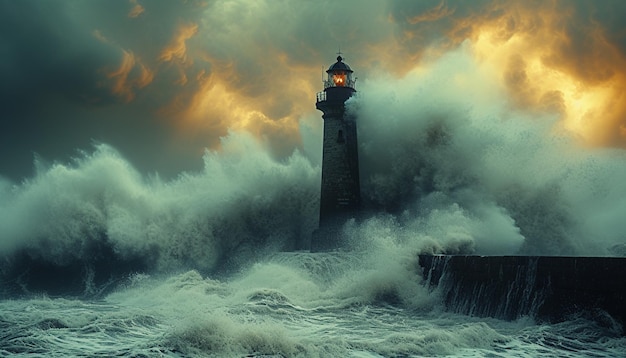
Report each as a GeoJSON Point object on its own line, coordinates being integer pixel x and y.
{"type": "Point", "coordinates": [279, 308]}
{"type": "Point", "coordinates": [242, 201]}
{"type": "Point", "coordinates": [455, 162]}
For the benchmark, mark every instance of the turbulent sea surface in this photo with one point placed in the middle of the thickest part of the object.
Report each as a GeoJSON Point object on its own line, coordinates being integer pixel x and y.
{"type": "Point", "coordinates": [97, 259]}
{"type": "Point", "coordinates": [298, 304]}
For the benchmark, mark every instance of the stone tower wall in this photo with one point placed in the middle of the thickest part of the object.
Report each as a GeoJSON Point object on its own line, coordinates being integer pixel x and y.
{"type": "Point", "coordinates": [340, 190]}
{"type": "Point", "coordinates": [340, 196]}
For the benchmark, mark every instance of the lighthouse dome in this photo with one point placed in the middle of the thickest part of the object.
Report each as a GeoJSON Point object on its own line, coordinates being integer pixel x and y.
{"type": "Point", "coordinates": [339, 66]}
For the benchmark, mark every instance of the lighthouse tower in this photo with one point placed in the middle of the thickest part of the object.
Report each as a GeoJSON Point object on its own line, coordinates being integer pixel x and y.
{"type": "Point", "coordinates": [340, 197]}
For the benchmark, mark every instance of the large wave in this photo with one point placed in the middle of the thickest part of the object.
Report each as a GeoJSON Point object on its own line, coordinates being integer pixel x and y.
{"type": "Point", "coordinates": [457, 164]}
{"type": "Point", "coordinates": [99, 211]}
{"type": "Point", "coordinates": [448, 166]}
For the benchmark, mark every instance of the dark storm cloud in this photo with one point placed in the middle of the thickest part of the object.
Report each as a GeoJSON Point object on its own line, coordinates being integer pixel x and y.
{"type": "Point", "coordinates": [68, 68]}
{"type": "Point", "coordinates": [43, 52]}
{"type": "Point", "coordinates": [162, 80]}
{"type": "Point", "coordinates": [135, 74]}
{"type": "Point", "coordinates": [43, 60]}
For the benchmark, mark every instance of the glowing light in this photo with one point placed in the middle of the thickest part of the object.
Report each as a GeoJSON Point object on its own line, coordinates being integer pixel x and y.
{"type": "Point", "coordinates": [339, 79]}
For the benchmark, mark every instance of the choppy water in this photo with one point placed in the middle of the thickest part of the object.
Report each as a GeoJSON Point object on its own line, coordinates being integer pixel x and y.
{"type": "Point", "coordinates": [310, 305]}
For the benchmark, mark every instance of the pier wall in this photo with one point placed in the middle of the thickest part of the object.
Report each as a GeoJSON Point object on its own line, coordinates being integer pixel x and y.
{"type": "Point", "coordinates": [546, 288]}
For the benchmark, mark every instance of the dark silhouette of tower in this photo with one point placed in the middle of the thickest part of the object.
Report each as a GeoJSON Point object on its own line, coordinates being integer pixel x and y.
{"type": "Point", "coordinates": [340, 197]}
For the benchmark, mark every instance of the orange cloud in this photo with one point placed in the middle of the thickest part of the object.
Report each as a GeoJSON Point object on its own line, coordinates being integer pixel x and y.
{"type": "Point", "coordinates": [177, 48]}
{"type": "Point", "coordinates": [136, 10]}
{"type": "Point", "coordinates": [436, 13]}
{"type": "Point", "coordinates": [129, 76]}
{"type": "Point", "coordinates": [551, 62]}
{"type": "Point", "coordinates": [224, 100]}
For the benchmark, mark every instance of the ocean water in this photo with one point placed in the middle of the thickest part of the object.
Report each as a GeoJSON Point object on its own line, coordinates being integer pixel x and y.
{"type": "Point", "coordinates": [293, 304]}
{"type": "Point", "coordinates": [97, 259]}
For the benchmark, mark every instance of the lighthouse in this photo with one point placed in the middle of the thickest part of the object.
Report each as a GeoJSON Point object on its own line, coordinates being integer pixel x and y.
{"type": "Point", "coordinates": [340, 195]}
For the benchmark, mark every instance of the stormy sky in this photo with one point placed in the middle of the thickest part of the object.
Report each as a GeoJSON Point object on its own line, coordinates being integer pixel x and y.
{"type": "Point", "coordinates": [161, 81]}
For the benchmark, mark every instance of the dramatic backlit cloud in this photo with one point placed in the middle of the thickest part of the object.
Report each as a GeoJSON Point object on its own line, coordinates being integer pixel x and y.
{"type": "Point", "coordinates": [563, 57]}
{"type": "Point", "coordinates": [551, 61]}
{"type": "Point", "coordinates": [123, 83]}
{"type": "Point", "coordinates": [163, 80]}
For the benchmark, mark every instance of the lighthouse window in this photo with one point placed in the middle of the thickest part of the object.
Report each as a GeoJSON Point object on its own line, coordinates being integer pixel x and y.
{"type": "Point", "coordinates": [340, 138]}
{"type": "Point", "coordinates": [339, 78]}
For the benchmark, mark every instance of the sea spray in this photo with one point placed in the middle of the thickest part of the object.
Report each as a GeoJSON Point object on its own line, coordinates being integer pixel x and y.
{"type": "Point", "coordinates": [98, 209]}
{"type": "Point", "coordinates": [444, 151]}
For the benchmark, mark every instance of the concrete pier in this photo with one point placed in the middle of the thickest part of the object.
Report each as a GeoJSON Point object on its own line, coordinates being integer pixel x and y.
{"type": "Point", "coordinates": [547, 288]}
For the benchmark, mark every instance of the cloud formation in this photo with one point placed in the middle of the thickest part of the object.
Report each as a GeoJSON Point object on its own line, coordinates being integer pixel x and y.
{"type": "Point", "coordinates": [162, 80]}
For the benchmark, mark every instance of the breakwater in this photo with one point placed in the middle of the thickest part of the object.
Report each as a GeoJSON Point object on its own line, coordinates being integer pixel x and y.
{"type": "Point", "coordinates": [546, 288]}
